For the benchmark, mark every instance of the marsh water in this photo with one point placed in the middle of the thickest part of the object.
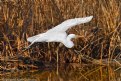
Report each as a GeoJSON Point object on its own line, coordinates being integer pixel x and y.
{"type": "Point", "coordinates": [67, 72]}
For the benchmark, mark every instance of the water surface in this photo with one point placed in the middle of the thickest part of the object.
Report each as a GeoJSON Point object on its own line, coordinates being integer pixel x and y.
{"type": "Point", "coordinates": [67, 72]}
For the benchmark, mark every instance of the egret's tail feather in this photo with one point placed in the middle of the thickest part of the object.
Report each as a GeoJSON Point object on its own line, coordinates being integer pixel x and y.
{"type": "Point", "coordinates": [31, 39]}
{"type": "Point", "coordinates": [35, 38]}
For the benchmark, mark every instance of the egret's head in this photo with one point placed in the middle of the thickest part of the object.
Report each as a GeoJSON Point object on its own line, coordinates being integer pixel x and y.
{"type": "Point", "coordinates": [70, 43]}
{"type": "Point", "coordinates": [70, 36]}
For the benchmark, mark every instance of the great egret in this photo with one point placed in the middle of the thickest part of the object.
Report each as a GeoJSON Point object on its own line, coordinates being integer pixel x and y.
{"type": "Point", "coordinates": [58, 33]}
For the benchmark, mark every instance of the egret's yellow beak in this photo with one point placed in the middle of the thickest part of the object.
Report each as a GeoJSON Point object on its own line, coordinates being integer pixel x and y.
{"type": "Point", "coordinates": [78, 36]}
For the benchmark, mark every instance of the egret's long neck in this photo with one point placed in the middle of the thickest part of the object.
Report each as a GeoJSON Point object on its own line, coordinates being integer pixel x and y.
{"type": "Point", "coordinates": [68, 43]}
{"type": "Point", "coordinates": [68, 39]}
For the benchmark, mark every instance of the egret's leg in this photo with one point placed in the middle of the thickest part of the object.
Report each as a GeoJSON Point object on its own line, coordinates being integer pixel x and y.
{"type": "Point", "coordinates": [32, 43]}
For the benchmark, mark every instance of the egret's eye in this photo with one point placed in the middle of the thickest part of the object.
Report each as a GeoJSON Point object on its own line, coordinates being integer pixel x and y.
{"type": "Point", "coordinates": [72, 39]}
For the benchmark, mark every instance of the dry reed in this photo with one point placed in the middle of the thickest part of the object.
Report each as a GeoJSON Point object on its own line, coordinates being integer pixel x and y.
{"type": "Point", "coordinates": [20, 19]}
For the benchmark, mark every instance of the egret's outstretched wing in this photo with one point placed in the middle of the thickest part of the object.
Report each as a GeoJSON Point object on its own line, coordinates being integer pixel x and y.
{"type": "Point", "coordinates": [70, 23]}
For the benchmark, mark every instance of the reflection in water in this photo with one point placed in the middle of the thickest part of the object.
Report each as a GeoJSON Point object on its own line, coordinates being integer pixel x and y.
{"type": "Point", "coordinates": [70, 72]}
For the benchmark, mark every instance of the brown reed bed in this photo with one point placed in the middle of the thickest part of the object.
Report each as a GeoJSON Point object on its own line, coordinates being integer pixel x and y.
{"type": "Point", "coordinates": [20, 19]}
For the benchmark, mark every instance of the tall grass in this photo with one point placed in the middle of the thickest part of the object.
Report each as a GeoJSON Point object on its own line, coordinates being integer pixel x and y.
{"type": "Point", "coordinates": [20, 19]}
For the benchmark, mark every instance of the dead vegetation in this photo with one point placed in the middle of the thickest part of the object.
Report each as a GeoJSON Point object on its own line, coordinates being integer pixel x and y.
{"type": "Point", "coordinates": [20, 19]}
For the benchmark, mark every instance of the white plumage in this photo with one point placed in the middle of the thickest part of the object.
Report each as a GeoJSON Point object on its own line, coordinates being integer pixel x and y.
{"type": "Point", "coordinates": [58, 33]}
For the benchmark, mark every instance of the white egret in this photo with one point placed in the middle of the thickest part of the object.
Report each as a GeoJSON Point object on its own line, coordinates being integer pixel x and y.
{"type": "Point", "coordinates": [58, 33]}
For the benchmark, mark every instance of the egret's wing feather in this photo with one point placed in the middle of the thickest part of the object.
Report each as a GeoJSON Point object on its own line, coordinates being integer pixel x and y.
{"type": "Point", "coordinates": [70, 23]}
